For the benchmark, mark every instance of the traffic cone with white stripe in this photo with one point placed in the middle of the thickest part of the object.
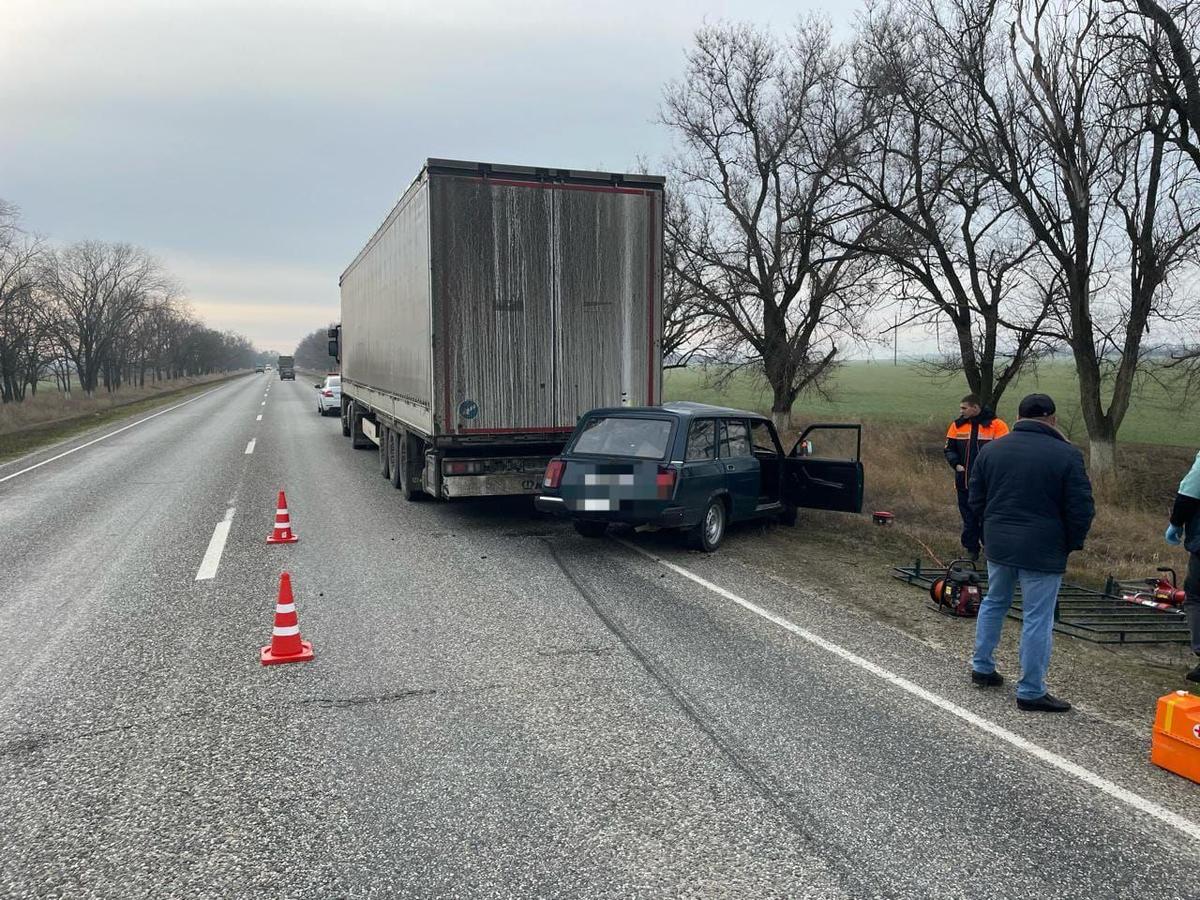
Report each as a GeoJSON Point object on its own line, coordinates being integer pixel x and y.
{"type": "Point", "coordinates": [283, 533]}
{"type": "Point", "coordinates": [286, 645]}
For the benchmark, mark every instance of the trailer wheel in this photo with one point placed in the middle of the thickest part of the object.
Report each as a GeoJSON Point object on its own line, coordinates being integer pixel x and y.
{"type": "Point", "coordinates": [395, 466]}
{"type": "Point", "coordinates": [384, 461]}
{"type": "Point", "coordinates": [345, 414]}
{"type": "Point", "coordinates": [358, 440]}
{"type": "Point", "coordinates": [411, 453]}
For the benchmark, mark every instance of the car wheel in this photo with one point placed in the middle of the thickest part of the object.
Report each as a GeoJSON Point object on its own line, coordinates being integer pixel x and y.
{"type": "Point", "coordinates": [345, 416]}
{"type": "Point", "coordinates": [708, 533]}
{"type": "Point", "coordinates": [385, 468]}
{"type": "Point", "coordinates": [591, 529]}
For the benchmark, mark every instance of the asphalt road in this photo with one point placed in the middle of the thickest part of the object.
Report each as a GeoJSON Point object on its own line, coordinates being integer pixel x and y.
{"type": "Point", "coordinates": [498, 707]}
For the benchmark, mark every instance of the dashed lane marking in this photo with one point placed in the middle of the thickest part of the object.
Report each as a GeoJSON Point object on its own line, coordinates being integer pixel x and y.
{"type": "Point", "coordinates": [216, 546]}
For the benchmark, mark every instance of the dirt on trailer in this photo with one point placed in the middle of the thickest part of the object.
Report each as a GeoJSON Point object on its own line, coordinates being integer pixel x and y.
{"type": "Point", "coordinates": [850, 562]}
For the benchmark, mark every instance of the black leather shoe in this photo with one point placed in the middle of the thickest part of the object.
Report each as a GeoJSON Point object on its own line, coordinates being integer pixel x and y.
{"type": "Point", "coordinates": [988, 679]}
{"type": "Point", "coordinates": [1193, 675]}
{"type": "Point", "coordinates": [1044, 703]}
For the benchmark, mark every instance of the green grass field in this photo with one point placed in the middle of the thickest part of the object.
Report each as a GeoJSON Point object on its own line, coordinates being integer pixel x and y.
{"type": "Point", "coordinates": [881, 391]}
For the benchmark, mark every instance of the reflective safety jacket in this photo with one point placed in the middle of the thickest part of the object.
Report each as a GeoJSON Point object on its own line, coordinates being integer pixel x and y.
{"type": "Point", "coordinates": [966, 437]}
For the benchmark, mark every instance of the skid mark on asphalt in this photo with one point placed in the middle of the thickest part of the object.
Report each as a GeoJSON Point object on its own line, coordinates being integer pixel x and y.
{"type": "Point", "coordinates": [1136, 801]}
{"type": "Point", "coordinates": [844, 868]}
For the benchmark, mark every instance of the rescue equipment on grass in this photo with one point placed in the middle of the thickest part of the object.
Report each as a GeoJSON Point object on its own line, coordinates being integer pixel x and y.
{"type": "Point", "coordinates": [881, 517]}
{"type": "Point", "coordinates": [1175, 741]}
{"type": "Point", "coordinates": [286, 645]}
{"type": "Point", "coordinates": [282, 533]}
{"type": "Point", "coordinates": [957, 592]}
{"type": "Point", "coordinates": [1164, 593]}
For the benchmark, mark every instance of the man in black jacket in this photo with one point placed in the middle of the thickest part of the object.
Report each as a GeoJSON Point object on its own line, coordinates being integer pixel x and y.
{"type": "Point", "coordinates": [975, 427]}
{"type": "Point", "coordinates": [1185, 529]}
{"type": "Point", "coordinates": [1033, 496]}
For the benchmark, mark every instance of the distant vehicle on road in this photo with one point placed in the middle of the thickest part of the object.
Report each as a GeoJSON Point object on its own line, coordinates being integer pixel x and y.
{"type": "Point", "coordinates": [287, 370]}
{"type": "Point", "coordinates": [492, 308]}
{"type": "Point", "coordinates": [694, 467]}
{"type": "Point", "coordinates": [267, 367]}
{"type": "Point", "coordinates": [329, 395]}
{"type": "Point", "coordinates": [258, 369]}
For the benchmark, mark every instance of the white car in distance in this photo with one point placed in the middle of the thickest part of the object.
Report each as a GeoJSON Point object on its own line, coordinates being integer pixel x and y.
{"type": "Point", "coordinates": [329, 395]}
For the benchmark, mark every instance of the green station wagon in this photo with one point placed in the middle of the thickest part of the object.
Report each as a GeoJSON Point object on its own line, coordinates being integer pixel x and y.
{"type": "Point", "coordinates": [696, 467]}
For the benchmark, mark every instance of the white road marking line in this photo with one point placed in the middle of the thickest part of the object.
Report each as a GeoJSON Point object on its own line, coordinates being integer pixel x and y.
{"type": "Point", "coordinates": [216, 546]}
{"type": "Point", "coordinates": [1138, 802]}
{"type": "Point", "coordinates": [264, 403]}
{"type": "Point", "coordinates": [105, 437]}
{"type": "Point", "coordinates": [250, 446]}
{"type": "Point", "coordinates": [258, 418]}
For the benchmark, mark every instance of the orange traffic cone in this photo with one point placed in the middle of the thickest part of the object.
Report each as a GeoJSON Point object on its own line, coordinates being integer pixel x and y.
{"type": "Point", "coordinates": [283, 533]}
{"type": "Point", "coordinates": [286, 645]}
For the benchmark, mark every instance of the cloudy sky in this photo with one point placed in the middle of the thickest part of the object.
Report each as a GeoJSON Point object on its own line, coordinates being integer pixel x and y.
{"type": "Point", "coordinates": [255, 146]}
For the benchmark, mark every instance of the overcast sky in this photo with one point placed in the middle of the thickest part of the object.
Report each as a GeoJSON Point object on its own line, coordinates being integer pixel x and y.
{"type": "Point", "coordinates": [255, 146]}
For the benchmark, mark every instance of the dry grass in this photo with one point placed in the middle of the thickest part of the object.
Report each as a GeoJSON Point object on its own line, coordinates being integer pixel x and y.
{"type": "Point", "coordinates": [907, 475]}
{"type": "Point", "coordinates": [50, 407]}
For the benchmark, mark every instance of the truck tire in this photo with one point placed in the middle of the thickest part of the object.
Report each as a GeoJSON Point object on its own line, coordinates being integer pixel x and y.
{"type": "Point", "coordinates": [385, 468]}
{"type": "Point", "coordinates": [411, 452]}
{"type": "Point", "coordinates": [358, 440]}
{"type": "Point", "coordinates": [708, 533]}
{"type": "Point", "coordinates": [395, 472]}
{"type": "Point", "coordinates": [345, 414]}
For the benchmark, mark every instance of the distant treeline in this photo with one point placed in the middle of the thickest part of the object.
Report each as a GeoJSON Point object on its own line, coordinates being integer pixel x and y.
{"type": "Point", "coordinates": [95, 314]}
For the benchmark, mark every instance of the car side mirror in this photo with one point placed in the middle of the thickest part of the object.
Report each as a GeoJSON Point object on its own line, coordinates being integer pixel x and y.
{"type": "Point", "coordinates": [802, 449]}
{"type": "Point", "coordinates": [317, 386]}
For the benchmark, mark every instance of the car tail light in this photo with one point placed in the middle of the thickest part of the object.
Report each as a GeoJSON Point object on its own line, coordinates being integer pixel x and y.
{"type": "Point", "coordinates": [327, 393]}
{"type": "Point", "coordinates": [554, 473]}
{"type": "Point", "coordinates": [666, 482]}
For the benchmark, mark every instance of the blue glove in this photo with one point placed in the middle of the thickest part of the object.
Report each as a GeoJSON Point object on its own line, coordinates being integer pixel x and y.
{"type": "Point", "coordinates": [1174, 535]}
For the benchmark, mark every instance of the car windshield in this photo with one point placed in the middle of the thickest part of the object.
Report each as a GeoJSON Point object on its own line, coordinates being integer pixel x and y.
{"type": "Point", "coordinates": [622, 436]}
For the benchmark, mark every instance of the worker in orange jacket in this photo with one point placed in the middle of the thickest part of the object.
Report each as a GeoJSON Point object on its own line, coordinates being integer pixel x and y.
{"type": "Point", "coordinates": [974, 428]}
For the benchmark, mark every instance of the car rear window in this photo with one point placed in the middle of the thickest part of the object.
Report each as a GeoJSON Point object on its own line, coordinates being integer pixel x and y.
{"type": "Point", "coordinates": [333, 380]}
{"type": "Point", "coordinates": [621, 436]}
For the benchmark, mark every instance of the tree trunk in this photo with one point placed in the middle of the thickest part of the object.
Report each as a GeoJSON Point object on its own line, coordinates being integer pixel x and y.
{"type": "Point", "coordinates": [1102, 458]}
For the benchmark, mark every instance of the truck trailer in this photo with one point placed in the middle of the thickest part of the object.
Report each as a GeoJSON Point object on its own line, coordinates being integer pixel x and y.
{"type": "Point", "coordinates": [493, 307]}
{"type": "Point", "coordinates": [287, 368]}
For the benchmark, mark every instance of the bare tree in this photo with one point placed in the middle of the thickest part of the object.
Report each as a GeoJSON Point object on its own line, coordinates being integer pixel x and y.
{"type": "Point", "coordinates": [956, 244]}
{"type": "Point", "coordinates": [98, 291]}
{"type": "Point", "coordinates": [762, 242]}
{"type": "Point", "coordinates": [686, 327]}
{"type": "Point", "coordinates": [1044, 131]}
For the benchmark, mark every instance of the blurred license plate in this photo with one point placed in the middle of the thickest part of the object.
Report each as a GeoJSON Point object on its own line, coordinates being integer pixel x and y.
{"type": "Point", "coordinates": [597, 504]}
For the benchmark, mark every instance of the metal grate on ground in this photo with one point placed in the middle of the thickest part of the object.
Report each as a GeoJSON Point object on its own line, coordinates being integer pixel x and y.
{"type": "Point", "coordinates": [1101, 617]}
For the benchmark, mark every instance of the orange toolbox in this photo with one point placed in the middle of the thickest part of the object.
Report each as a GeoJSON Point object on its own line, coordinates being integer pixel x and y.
{"type": "Point", "coordinates": [1175, 743]}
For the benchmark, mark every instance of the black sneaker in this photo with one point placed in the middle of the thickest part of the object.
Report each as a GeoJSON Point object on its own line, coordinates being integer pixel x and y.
{"type": "Point", "coordinates": [1044, 703]}
{"type": "Point", "coordinates": [1193, 675]}
{"type": "Point", "coordinates": [973, 556]}
{"type": "Point", "coordinates": [987, 679]}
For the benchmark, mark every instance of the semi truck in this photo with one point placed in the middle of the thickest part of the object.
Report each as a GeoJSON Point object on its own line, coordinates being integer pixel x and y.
{"type": "Point", "coordinates": [493, 307]}
{"type": "Point", "coordinates": [287, 368]}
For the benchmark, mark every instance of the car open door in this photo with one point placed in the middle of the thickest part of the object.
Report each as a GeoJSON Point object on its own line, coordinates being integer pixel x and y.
{"type": "Point", "coordinates": [824, 469]}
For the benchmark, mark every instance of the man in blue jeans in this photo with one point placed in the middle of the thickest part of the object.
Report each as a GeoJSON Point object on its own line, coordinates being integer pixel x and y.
{"type": "Point", "coordinates": [1033, 496]}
